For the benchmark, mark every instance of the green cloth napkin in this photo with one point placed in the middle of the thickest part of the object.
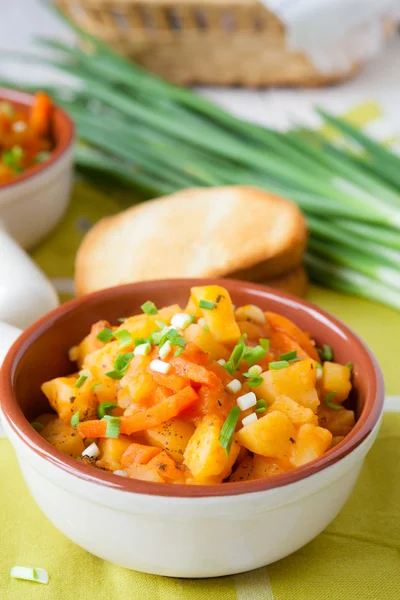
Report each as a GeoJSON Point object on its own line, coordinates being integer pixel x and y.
{"type": "Point", "coordinates": [356, 557]}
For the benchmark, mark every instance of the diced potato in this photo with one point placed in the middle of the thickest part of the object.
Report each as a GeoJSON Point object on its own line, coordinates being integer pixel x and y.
{"type": "Point", "coordinates": [45, 419]}
{"type": "Point", "coordinates": [204, 455]}
{"type": "Point", "coordinates": [296, 381]}
{"type": "Point", "coordinates": [172, 436]}
{"type": "Point", "coordinates": [138, 383]}
{"type": "Point", "coordinates": [311, 443]}
{"type": "Point", "coordinates": [101, 361]}
{"type": "Point", "coordinates": [221, 319]}
{"type": "Point", "coordinates": [336, 440]}
{"type": "Point", "coordinates": [141, 326]}
{"type": "Point", "coordinates": [90, 343]}
{"type": "Point", "coordinates": [299, 415]}
{"type": "Point", "coordinates": [63, 437]}
{"type": "Point", "coordinates": [251, 313]}
{"type": "Point", "coordinates": [338, 422]}
{"type": "Point", "coordinates": [205, 340]}
{"type": "Point", "coordinates": [67, 399]}
{"type": "Point", "coordinates": [336, 378]}
{"type": "Point", "coordinates": [111, 451]}
{"type": "Point", "coordinates": [244, 470]}
{"type": "Point", "coordinates": [268, 436]}
{"type": "Point", "coordinates": [105, 390]}
{"type": "Point", "coordinates": [144, 473]}
{"type": "Point", "coordinates": [166, 468]}
{"type": "Point", "coordinates": [268, 467]}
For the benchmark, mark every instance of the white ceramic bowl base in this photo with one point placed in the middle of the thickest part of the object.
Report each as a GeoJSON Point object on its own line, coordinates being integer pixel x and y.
{"type": "Point", "coordinates": [190, 537]}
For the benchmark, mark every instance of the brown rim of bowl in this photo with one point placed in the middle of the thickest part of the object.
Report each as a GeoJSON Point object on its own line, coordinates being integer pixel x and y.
{"type": "Point", "coordinates": [27, 435]}
{"type": "Point", "coordinates": [63, 142]}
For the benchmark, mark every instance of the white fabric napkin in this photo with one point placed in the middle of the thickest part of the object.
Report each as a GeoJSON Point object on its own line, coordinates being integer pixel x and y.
{"type": "Point", "coordinates": [335, 33]}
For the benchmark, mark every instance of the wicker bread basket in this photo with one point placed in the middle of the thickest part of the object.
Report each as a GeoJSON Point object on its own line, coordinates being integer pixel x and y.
{"type": "Point", "coordinates": [218, 42]}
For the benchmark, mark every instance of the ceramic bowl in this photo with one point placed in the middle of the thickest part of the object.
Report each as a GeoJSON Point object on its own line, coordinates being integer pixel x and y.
{"type": "Point", "coordinates": [32, 204]}
{"type": "Point", "coordinates": [181, 531]}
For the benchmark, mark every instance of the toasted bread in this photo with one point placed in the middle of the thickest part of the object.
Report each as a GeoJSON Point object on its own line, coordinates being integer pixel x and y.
{"type": "Point", "coordinates": [238, 231]}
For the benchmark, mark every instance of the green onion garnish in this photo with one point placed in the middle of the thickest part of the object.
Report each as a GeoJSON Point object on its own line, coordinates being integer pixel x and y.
{"type": "Point", "coordinates": [329, 403]}
{"type": "Point", "coordinates": [75, 418]}
{"type": "Point", "coordinates": [206, 328]}
{"type": "Point", "coordinates": [207, 304]}
{"type": "Point", "coordinates": [113, 426]}
{"type": "Point", "coordinates": [264, 343]}
{"type": "Point", "coordinates": [80, 381]}
{"type": "Point", "coordinates": [37, 426]}
{"type": "Point", "coordinates": [178, 352]}
{"type": "Point", "coordinates": [228, 429]}
{"type": "Point", "coordinates": [161, 324]}
{"type": "Point", "coordinates": [30, 574]}
{"type": "Point", "coordinates": [253, 355]}
{"type": "Point", "coordinates": [124, 337]}
{"type": "Point", "coordinates": [279, 364]}
{"type": "Point", "coordinates": [122, 319]}
{"type": "Point", "coordinates": [140, 341]}
{"type": "Point", "coordinates": [96, 385]}
{"type": "Point", "coordinates": [7, 109]}
{"type": "Point", "coordinates": [104, 407]}
{"type": "Point", "coordinates": [261, 406]}
{"type": "Point", "coordinates": [253, 380]}
{"type": "Point", "coordinates": [155, 337]}
{"type": "Point", "coordinates": [105, 335]}
{"type": "Point", "coordinates": [174, 337]}
{"type": "Point", "coordinates": [289, 356]}
{"type": "Point", "coordinates": [120, 366]}
{"type": "Point", "coordinates": [325, 353]}
{"type": "Point", "coordinates": [349, 365]}
{"type": "Point", "coordinates": [149, 308]}
{"type": "Point", "coordinates": [42, 156]}
{"type": "Point", "coordinates": [236, 357]}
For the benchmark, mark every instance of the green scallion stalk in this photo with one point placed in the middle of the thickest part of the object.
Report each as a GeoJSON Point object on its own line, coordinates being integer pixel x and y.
{"type": "Point", "coordinates": [228, 429]}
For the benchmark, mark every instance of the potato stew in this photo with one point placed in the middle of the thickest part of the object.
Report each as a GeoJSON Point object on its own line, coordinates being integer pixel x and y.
{"type": "Point", "coordinates": [204, 395]}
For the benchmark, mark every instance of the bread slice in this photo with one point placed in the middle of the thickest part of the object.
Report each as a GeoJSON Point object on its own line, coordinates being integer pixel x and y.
{"type": "Point", "coordinates": [294, 282]}
{"type": "Point", "coordinates": [237, 231]}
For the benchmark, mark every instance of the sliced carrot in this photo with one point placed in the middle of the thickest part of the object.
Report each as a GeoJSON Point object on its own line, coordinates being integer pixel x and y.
{"type": "Point", "coordinates": [281, 343]}
{"type": "Point", "coordinates": [145, 419]}
{"type": "Point", "coordinates": [166, 468]}
{"type": "Point", "coordinates": [195, 373]}
{"type": "Point", "coordinates": [223, 375]}
{"type": "Point", "coordinates": [40, 113]}
{"type": "Point", "coordinates": [159, 413]}
{"type": "Point", "coordinates": [144, 473]}
{"type": "Point", "coordinates": [138, 453]}
{"type": "Point", "coordinates": [161, 393]}
{"type": "Point", "coordinates": [195, 354]}
{"type": "Point", "coordinates": [280, 323]}
{"type": "Point", "coordinates": [171, 381]}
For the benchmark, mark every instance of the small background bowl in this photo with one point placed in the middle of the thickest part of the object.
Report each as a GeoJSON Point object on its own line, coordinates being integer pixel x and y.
{"type": "Point", "coordinates": [32, 204]}
{"type": "Point", "coordinates": [175, 530]}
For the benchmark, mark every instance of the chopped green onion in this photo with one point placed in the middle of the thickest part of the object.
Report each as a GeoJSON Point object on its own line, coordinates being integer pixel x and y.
{"type": "Point", "coordinates": [206, 328]}
{"type": "Point", "coordinates": [122, 319]}
{"type": "Point", "coordinates": [253, 355]}
{"type": "Point", "coordinates": [37, 426]}
{"type": "Point", "coordinates": [105, 335]}
{"type": "Point", "coordinates": [155, 337]}
{"type": "Point", "coordinates": [178, 352]}
{"type": "Point", "coordinates": [319, 366]}
{"type": "Point", "coordinates": [349, 365]}
{"type": "Point", "coordinates": [7, 109]}
{"type": "Point", "coordinates": [113, 426]}
{"type": "Point", "coordinates": [12, 158]}
{"type": "Point", "coordinates": [279, 364]}
{"type": "Point", "coordinates": [42, 156]}
{"type": "Point", "coordinates": [140, 341]}
{"type": "Point", "coordinates": [264, 343]}
{"type": "Point", "coordinates": [253, 380]}
{"type": "Point", "coordinates": [329, 403]}
{"type": "Point", "coordinates": [104, 407]}
{"type": "Point", "coordinates": [124, 337]}
{"type": "Point", "coordinates": [228, 429]}
{"type": "Point", "coordinates": [30, 574]}
{"type": "Point", "coordinates": [207, 304]}
{"type": "Point", "coordinates": [149, 308]}
{"type": "Point", "coordinates": [289, 356]}
{"type": "Point", "coordinates": [120, 366]}
{"type": "Point", "coordinates": [81, 380]}
{"type": "Point", "coordinates": [96, 385]}
{"type": "Point", "coordinates": [325, 353]}
{"type": "Point", "coordinates": [161, 324]}
{"type": "Point", "coordinates": [236, 357]}
{"type": "Point", "coordinates": [261, 406]}
{"type": "Point", "coordinates": [174, 337]}
{"type": "Point", "coordinates": [75, 418]}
